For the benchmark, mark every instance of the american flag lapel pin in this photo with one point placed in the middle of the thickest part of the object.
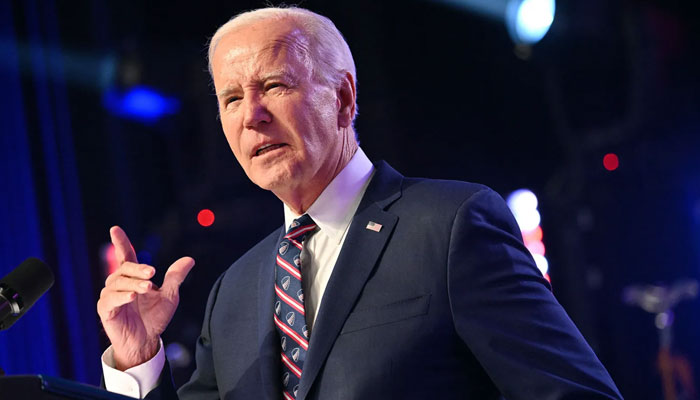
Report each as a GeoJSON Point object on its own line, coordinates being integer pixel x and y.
{"type": "Point", "coordinates": [373, 226]}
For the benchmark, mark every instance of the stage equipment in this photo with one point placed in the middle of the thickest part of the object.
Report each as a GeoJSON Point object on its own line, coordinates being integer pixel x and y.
{"type": "Point", "coordinates": [21, 288]}
{"type": "Point", "coordinates": [41, 387]}
{"type": "Point", "coordinates": [675, 370]}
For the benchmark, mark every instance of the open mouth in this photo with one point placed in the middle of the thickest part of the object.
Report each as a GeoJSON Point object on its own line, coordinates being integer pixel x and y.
{"type": "Point", "coordinates": [268, 148]}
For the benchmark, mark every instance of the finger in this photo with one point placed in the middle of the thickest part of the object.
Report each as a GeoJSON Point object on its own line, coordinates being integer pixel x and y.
{"type": "Point", "coordinates": [131, 270]}
{"type": "Point", "coordinates": [111, 300]}
{"type": "Point", "coordinates": [126, 284]}
{"type": "Point", "coordinates": [177, 273]}
{"type": "Point", "coordinates": [123, 249]}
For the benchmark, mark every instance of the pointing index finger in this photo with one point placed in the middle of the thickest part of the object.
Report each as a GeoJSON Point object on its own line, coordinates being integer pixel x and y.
{"type": "Point", "coordinates": [123, 249]}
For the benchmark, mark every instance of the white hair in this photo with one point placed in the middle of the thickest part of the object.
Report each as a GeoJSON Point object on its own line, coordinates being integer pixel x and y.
{"type": "Point", "coordinates": [328, 51]}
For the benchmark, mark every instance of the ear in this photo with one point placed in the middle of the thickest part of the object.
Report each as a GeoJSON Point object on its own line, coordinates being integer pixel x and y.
{"type": "Point", "coordinates": [346, 96]}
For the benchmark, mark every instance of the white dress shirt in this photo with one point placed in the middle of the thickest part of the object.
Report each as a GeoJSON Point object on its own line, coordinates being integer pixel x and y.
{"type": "Point", "coordinates": [332, 211]}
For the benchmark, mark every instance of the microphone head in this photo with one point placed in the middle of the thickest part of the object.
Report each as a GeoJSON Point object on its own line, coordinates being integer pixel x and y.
{"type": "Point", "coordinates": [29, 281]}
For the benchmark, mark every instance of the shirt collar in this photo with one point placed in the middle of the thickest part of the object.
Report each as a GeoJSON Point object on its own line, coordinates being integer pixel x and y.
{"type": "Point", "coordinates": [336, 205]}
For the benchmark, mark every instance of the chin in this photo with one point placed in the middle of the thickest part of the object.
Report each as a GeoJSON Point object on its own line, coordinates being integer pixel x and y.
{"type": "Point", "coordinates": [273, 179]}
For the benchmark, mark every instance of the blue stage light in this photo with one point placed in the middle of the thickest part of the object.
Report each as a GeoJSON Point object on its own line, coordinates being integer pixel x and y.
{"type": "Point", "coordinates": [529, 20]}
{"type": "Point", "coordinates": [140, 103]}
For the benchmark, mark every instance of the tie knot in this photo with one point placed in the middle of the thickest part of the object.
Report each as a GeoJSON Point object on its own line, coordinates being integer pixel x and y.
{"type": "Point", "coordinates": [300, 227]}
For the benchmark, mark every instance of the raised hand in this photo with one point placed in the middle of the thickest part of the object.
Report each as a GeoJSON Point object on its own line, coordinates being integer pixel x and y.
{"type": "Point", "coordinates": [133, 310]}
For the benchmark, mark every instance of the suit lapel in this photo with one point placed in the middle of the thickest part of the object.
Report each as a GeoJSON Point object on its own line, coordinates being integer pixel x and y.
{"type": "Point", "coordinates": [360, 253]}
{"type": "Point", "coordinates": [268, 338]}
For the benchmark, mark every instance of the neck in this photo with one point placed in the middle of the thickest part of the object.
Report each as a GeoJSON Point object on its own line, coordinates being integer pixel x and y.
{"type": "Point", "coordinates": [300, 199]}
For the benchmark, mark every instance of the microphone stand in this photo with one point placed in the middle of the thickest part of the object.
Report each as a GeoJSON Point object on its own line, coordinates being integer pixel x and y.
{"type": "Point", "coordinates": [660, 300]}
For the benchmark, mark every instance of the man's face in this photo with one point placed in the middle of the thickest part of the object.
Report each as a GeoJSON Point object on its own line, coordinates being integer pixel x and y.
{"type": "Point", "coordinates": [281, 124]}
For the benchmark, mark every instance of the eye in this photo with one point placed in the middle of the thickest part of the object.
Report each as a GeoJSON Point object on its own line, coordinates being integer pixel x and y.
{"type": "Point", "coordinates": [231, 99]}
{"type": "Point", "coordinates": [274, 85]}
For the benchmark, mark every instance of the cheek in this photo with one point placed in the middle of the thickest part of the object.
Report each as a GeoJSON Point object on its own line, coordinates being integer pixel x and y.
{"type": "Point", "coordinates": [325, 120]}
{"type": "Point", "coordinates": [233, 137]}
{"type": "Point", "coordinates": [320, 120]}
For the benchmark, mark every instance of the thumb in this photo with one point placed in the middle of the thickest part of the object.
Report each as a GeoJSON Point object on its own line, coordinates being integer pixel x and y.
{"type": "Point", "coordinates": [176, 274]}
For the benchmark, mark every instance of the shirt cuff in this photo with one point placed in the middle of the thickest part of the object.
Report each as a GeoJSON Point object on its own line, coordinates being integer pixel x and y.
{"type": "Point", "coordinates": [136, 381]}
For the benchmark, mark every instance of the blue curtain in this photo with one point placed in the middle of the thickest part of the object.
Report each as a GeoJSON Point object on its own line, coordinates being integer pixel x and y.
{"type": "Point", "coordinates": [41, 213]}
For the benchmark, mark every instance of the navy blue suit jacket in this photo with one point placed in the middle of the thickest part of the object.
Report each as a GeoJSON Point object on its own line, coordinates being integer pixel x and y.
{"type": "Point", "coordinates": [443, 302]}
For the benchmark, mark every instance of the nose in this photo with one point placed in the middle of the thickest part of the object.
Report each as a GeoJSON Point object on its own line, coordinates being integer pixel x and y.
{"type": "Point", "coordinates": [255, 112]}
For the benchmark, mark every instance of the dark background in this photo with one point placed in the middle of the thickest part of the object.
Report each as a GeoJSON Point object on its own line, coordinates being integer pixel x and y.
{"type": "Point", "coordinates": [443, 93]}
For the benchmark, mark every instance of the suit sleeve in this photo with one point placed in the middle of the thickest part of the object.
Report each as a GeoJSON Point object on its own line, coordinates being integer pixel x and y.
{"type": "Point", "coordinates": [505, 312]}
{"type": "Point", "coordinates": [202, 385]}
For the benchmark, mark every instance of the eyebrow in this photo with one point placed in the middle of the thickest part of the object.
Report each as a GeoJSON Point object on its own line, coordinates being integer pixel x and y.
{"type": "Point", "coordinates": [280, 73]}
{"type": "Point", "coordinates": [226, 92]}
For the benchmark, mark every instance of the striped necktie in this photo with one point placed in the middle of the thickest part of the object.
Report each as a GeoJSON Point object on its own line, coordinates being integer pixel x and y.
{"type": "Point", "coordinates": [289, 314]}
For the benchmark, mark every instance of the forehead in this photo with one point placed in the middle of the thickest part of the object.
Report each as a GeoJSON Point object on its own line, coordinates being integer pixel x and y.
{"type": "Point", "coordinates": [257, 48]}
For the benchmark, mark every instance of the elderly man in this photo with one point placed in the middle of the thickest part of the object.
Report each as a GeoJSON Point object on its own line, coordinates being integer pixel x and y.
{"type": "Point", "coordinates": [378, 286]}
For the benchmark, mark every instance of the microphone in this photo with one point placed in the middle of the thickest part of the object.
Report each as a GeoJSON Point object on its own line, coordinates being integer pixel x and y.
{"type": "Point", "coordinates": [21, 288]}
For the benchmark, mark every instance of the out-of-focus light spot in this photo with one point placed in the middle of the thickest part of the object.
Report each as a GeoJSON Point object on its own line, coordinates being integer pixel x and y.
{"type": "Point", "coordinates": [522, 200]}
{"type": "Point", "coordinates": [536, 247]}
{"type": "Point", "coordinates": [140, 103]}
{"type": "Point", "coordinates": [542, 263]}
{"type": "Point", "coordinates": [109, 258]}
{"type": "Point", "coordinates": [205, 217]}
{"type": "Point", "coordinates": [178, 355]}
{"type": "Point", "coordinates": [523, 204]}
{"type": "Point", "coordinates": [533, 235]}
{"type": "Point", "coordinates": [528, 220]}
{"type": "Point", "coordinates": [546, 276]}
{"type": "Point", "coordinates": [611, 162]}
{"type": "Point", "coordinates": [529, 20]}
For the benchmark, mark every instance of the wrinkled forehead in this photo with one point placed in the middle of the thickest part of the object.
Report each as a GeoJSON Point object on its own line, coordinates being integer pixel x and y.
{"type": "Point", "coordinates": [249, 51]}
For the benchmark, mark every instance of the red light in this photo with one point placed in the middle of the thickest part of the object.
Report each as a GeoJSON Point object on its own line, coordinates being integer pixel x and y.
{"type": "Point", "coordinates": [533, 235]}
{"type": "Point", "coordinates": [611, 162]}
{"type": "Point", "coordinates": [205, 217]}
{"type": "Point", "coordinates": [109, 258]}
